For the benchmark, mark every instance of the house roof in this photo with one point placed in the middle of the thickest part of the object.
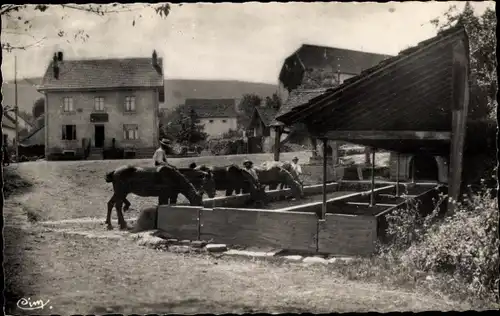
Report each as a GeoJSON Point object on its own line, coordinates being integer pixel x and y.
{"type": "Point", "coordinates": [348, 61]}
{"type": "Point", "coordinates": [36, 137]}
{"type": "Point", "coordinates": [20, 117]}
{"type": "Point", "coordinates": [266, 114]}
{"type": "Point", "coordinates": [299, 97]}
{"type": "Point", "coordinates": [8, 121]}
{"type": "Point", "coordinates": [411, 91]}
{"type": "Point", "coordinates": [206, 108]}
{"type": "Point", "coordinates": [103, 74]}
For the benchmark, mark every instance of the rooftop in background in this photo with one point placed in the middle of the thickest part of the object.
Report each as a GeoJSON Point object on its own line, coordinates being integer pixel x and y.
{"type": "Point", "coordinates": [349, 61]}
{"type": "Point", "coordinates": [207, 108]}
{"type": "Point", "coordinates": [266, 114]}
{"type": "Point", "coordinates": [103, 74]}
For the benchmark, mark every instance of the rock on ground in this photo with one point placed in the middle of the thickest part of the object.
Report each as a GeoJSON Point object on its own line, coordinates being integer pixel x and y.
{"type": "Point", "coordinates": [146, 219]}
{"type": "Point", "coordinates": [216, 247]}
{"type": "Point", "coordinates": [314, 260]}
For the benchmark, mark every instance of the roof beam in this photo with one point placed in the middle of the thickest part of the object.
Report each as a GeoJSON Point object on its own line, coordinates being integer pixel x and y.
{"type": "Point", "coordinates": [387, 135]}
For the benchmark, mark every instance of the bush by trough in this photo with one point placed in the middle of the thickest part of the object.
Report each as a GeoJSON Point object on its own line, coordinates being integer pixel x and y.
{"type": "Point", "coordinates": [460, 250]}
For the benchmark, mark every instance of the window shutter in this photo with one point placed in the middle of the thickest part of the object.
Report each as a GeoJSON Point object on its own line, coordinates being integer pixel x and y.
{"type": "Point", "coordinates": [74, 132]}
{"type": "Point", "coordinates": [63, 132]}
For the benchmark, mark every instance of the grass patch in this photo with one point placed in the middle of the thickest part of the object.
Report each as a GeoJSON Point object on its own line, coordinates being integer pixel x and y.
{"type": "Point", "coordinates": [14, 183]}
{"type": "Point", "coordinates": [33, 215]}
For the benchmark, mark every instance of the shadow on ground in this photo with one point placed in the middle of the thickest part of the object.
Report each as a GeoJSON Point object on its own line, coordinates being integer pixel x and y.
{"type": "Point", "coordinates": [14, 266]}
{"type": "Point", "coordinates": [192, 306]}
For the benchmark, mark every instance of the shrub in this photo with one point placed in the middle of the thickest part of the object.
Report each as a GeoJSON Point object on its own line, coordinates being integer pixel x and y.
{"type": "Point", "coordinates": [462, 246]}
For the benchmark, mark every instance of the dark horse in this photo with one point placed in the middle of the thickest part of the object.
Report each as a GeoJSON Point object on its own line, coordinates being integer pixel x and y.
{"type": "Point", "coordinates": [202, 180]}
{"type": "Point", "coordinates": [272, 174]}
{"type": "Point", "coordinates": [235, 179]}
{"type": "Point", "coordinates": [153, 181]}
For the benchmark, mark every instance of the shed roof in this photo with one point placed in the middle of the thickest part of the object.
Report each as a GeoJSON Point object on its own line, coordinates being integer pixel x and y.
{"type": "Point", "coordinates": [103, 74]}
{"type": "Point", "coordinates": [208, 108]}
{"type": "Point", "coordinates": [411, 91]}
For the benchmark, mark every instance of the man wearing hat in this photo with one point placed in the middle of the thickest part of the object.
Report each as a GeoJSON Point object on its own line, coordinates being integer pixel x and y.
{"type": "Point", "coordinates": [296, 166]}
{"type": "Point", "coordinates": [249, 168]}
{"type": "Point", "coordinates": [160, 155]}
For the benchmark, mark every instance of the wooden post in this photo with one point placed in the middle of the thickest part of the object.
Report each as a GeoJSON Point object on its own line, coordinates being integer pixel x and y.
{"type": "Point", "coordinates": [323, 211]}
{"type": "Point", "coordinates": [277, 137]}
{"type": "Point", "coordinates": [460, 106]}
{"type": "Point", "coordinates": [372, 197]}
{"type": "Point", "coordinates": [412, 165]}
{"type": "Point", "coordinates": [397, 176]}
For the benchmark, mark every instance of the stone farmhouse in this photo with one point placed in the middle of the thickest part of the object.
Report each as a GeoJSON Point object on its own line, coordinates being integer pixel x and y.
{"type": "Point", "coordinates": [313, 67]}
{"type": "Point", "coordinates": [311, 70]}
{"type": "Point", "coordinates": [217, 115]}
{"type": "Point", "coordinates": [93, 102]}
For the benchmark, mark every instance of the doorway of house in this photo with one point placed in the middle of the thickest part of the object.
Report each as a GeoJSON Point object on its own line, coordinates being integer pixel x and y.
{"type": "Point", "coordinates": [99, 136]}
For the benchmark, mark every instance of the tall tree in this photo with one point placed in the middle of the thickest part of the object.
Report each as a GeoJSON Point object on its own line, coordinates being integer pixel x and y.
{"type": "Point", "coordinates": [482, 45]}
{"type": "Point", "coordinates": [192, 131]}
{"type": "Point", "coordinates": [274, 101]}
{"type": "Point", "coordinates": [481, 30]}
{"type": "Point", "coordinates": [182, 125]}
{"type": "Point", "coordinates": [38, 108]}
{"type": "Point", "coordinates": [247, 105]}
{"type": "Point", "coordinates": [17, 20]}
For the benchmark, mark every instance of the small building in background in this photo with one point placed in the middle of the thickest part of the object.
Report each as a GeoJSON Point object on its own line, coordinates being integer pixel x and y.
{"type": "Point", "coordinates": [218, 116]}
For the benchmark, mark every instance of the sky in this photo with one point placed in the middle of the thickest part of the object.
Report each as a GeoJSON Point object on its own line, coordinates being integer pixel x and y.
{"type": "Point", "coordinates": [236, 41]}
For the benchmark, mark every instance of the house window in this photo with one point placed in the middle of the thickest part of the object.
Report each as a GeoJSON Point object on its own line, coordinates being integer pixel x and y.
{"type": "Point", "coordinates": [211, 121]}
{"type": "Point", "coordinates": [224, 121]}
{"type": "Point", "coordinates": [161, 96]}
{"type": "Point", "coordinates": [99, 104]}
{"type": "Point", "coordinates": [69, 132]}
{"type": "Point", "coordinates": [68, 104]}
{"type": "Point", "coordinates": [130, 132]}
{"type": "Point", "coordinates": [130, 104]}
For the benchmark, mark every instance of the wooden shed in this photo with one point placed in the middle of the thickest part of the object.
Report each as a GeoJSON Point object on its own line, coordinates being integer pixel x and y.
{"type": "Point", "coordinates": [413, 104]}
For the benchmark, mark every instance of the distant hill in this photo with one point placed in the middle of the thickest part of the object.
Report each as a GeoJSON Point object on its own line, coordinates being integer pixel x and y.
{"type": "Point", "coordinates": [176, 91]}
{"type": "Point", "coordinates": [26, 93]}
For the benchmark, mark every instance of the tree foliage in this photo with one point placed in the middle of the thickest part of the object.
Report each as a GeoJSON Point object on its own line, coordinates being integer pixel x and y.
{"type": "Point", "coordinates": [183, 126]}
{"type": "Point", "coordinates": [38, 108]}
{"type": "Point", "coordinates": [481, 31]}
{"type": "Point", "coordinates": [274, 101]}
{"type": "Point", "coordinates": [17, 19]}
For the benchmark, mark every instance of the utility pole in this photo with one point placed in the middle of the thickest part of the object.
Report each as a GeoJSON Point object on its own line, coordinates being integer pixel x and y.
{"type": "Point", "coordinates": [16, 110]}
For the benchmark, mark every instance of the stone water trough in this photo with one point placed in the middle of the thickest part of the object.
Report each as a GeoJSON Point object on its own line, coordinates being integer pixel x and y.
{"type": "Point", "coordinates": [351, 226]}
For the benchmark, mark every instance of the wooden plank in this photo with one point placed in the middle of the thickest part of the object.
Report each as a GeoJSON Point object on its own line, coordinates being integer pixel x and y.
{"type": "Point", "coordinates": [347, 235]}
{"type": "Point", "coordinates": [388, 135]}
{"type": "Point", "coordinates": [179, 221]}
{"type": "Point", "coordinates": [262, 228]}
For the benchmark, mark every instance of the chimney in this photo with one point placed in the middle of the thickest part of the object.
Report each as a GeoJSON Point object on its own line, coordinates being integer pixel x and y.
{"type": "Point", "coordinates": [155, 58]}
{"type": "Point", "coordinates": [154, 61]}
{"type": "Point", "coordinates": [60, 56]}
{"type": "Point", "coordinates": [55, 66]}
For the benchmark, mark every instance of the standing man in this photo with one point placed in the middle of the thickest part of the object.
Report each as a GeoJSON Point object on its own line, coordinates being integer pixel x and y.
{"type": "Point", "coordinates": [296, 166]}
{"type": "Point", "coordinates": [249, 168]}
{"type": "Point", "coordinates": [160, 155]}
